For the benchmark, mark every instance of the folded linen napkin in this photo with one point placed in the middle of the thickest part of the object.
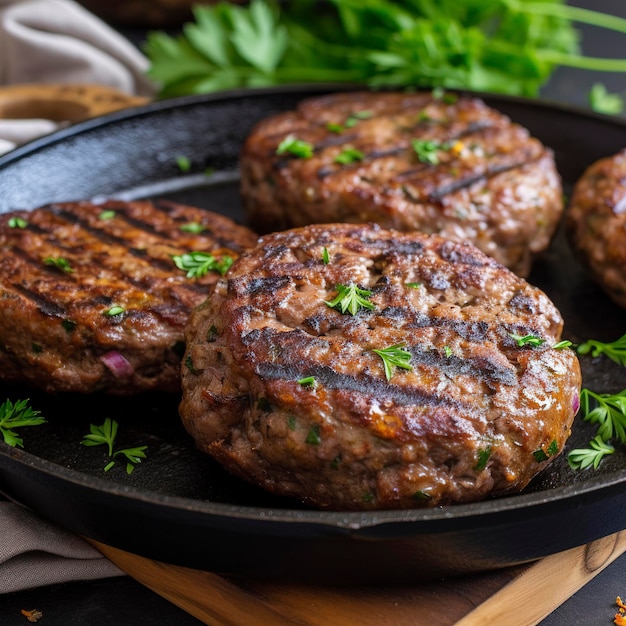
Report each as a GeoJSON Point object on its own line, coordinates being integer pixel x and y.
{"type": "Point", "coordinates": [60, 42]}
{"type": "Point", "coordinates": [35, 553]}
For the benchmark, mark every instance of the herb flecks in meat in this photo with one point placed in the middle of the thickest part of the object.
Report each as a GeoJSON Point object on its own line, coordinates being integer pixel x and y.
{"type": "Point", "coordinates": [393, 357]}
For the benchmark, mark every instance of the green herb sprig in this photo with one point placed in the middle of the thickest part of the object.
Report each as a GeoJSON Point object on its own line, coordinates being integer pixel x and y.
{"type": "Point", "coordinates": [394, 356]}
{"type": "Point", "coordinates": [59, 262]}
{"type": "Point", "coordinates": [609, 412]}
{"type": "Point", "coordinates": [17, 415]}
{"type": "Point", "coordinates": [527, 340]}
{"type": "Point", "coordinates": [296, 147]}
{"type": "Point", "coordinates": [105, 434]}
{"type": "Point", "coordinates": [351, 299]}
{"type": "Point", "coordinates": [197, 264]}
{"type": "Point", "coordinates": [614, 350]}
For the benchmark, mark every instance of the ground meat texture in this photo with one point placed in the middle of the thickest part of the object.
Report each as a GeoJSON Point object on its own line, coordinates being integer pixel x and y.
{"type": "Point", "coordinates": [407, 161]}
{"type": "Point", "coordinates": [596, 223]}
{"type": "Point", "coordinates": [286, 391]}
{"type": "Point", "coordinates": [65, 269]}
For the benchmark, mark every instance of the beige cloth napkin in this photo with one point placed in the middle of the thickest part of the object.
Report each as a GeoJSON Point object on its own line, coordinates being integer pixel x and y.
{"type": "Point", "coordinates": [35, 553]}
{"type": "Point", "coordinates": [58, 41]}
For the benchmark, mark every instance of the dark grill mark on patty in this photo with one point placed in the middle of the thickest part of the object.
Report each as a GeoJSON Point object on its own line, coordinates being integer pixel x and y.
{"type": "Point", "coordinates": [363, 384]}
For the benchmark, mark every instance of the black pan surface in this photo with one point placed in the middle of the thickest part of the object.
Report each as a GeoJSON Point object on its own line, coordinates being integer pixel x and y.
{"type": "Point", "coordinates": [180, 507]}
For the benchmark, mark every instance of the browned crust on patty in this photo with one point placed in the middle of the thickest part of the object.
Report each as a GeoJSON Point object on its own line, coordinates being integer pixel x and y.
{"type": "Point", "coordinates": [55, 329]}
{"type": "Point", "coordinates": [355, 440]}
{"type": "Point", "coordinates": [596, 223]}
{"type": "Point", "coordinates": [494, 184]}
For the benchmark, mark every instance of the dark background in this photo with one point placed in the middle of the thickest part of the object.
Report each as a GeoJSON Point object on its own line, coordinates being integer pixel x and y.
{"type": "Point", "coordinates": [124, 602]}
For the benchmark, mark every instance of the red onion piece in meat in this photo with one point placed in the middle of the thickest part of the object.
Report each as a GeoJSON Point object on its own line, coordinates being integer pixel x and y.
{"type": "Point", "coordinates": [118, 364]}
{"type": "Point", "coordinates": [576, 403]}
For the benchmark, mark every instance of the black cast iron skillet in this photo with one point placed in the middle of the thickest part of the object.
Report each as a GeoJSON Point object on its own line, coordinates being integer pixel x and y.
{"type": "Point", "coordinates": [180, 507]}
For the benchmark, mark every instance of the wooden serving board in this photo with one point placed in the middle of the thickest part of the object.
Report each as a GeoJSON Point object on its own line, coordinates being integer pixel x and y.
{"type": "Point", "coordinates": [517, 596]}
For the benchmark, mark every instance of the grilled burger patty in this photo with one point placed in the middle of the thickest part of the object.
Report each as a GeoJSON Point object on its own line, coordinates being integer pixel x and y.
{"type": "Point", "coordinates": [281, 383]}
{"type": "Point", "coordinates": [407, 161]}
{"type": "Point", "coordinates": [596, 223]}
{"type": "Point", "coordinates": [91, 299]}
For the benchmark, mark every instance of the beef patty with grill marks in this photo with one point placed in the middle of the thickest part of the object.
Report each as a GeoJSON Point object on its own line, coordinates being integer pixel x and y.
{"type": "Point", "coordinates": [90, 295]}
{"type": "Point", "coordinates": [282, 383]}
{"type": "Point", "coordinates": [407, 161]}
{"type": "Point", "coordinates": [596, 223]}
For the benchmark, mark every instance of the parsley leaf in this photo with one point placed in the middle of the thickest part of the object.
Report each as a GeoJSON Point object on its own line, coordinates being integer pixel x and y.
{"type": "Point", "coordinates": [197, 264]}
{"type": "Point", "coordinates": [349, 155]}
{"type": "Point", "coordinates": [350, 299]}
{"type": "Point", "coordinates": [17, 415]}
{"type": "Point", "coordinates": [427, 150]}
{"type": "Point", "coordinates": [602, 101]}
{"type": "Point", "coordinates": [527, 340]}
{"type": "Point", "coordinates": [615, 350]}
{"type": "Point", "coordinates": [394, 356]}
{"type": "Point", "coordinates": [296, 147]}
{"type": "Point", "coordinates": [582, 458]}
{"type": "Point", "coordinates": [59, 262]}
{"type": "Point", "coordinates": [105, 434]}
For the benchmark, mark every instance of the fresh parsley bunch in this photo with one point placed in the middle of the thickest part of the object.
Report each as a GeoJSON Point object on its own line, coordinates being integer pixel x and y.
{"type": "Point", "coordinates": [504, 46]}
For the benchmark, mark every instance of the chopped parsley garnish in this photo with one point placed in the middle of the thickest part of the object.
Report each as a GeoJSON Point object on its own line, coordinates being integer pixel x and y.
{"type": "Point", "coordinates": [561, 345]}
{"type": "Point", "coordinates": [349, 155]}
{"type": "Point", "coordinates": [427, 150]}
{"type": "Point", "coordinates": [114, 310]}
{"type": "Point", "coordinates": [481, 459]}
{"type": "Point", "coordinates": [325, 256]}
{"type": "Point", "coordinates": [333, 127]}
{"type": "Point", "coordinates": [350, 299]}
{"type": "Point", "coordinates": [422, 495]}
{"type": "Point", "coordinates": [192, 227]}
{"type": "Point", "coordinates": [614, 350]}
{"type": "Point", "coordinates": [601, 101]}
{"type": "Point", "coordinates": [107, 215]}
{"type": "Point", "coordinates": [296, 147]}
{"type": "Point", "coordinates": [447, 350]}
{"type": "Point", "coordinates": [356, 117]}
{"type": "Point", "coordinates": [309, 381]}
{"type": "Point", "coordinates": [105, 434]}
{"type": "Point", "coordinates": [313, 436]}
{"type": "Point", "coordinates": [211, 334]}
{"type": "Point", "coordinates": [17, 222]}
{"type": "Point", "coordinates": [17, 415]}
{"type": "Point", "coordinates": [394, 356]}
{"type": "Point", "coordinates": [413, 285]}
{"type": "Point", "coordinates": [527, 340]}
{"type": "Point", "coordinates": [291, 422]}
{"type": "Point", "coordinates": [59, 262]}
{"type": "Point", "coordinates": [197, 264]}
{"type": "Point", "coordinates": [183, 163]}
{"type": "Point", "coordinates": [69, 325]}
{"type": "Point", "coordinates": [189, 364]}
{"type": "Point", "coordinates": [543, 455]}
